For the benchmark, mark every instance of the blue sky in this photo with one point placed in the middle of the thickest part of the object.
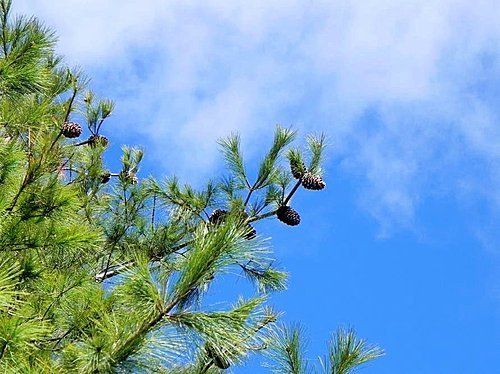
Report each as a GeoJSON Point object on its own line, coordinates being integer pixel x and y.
{"type": "Point", "coordinates": [404, 244]}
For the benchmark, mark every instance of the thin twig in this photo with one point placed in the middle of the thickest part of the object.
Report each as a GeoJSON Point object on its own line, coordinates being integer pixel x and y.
{"type": "Point", "coordinates": [294, 189]}
{"type": "Point", "coordinates": [82, 143]}
{"type": "Point", "coordinates": [68, 110]}
{"type": "Point", "coordinates": [4, 31]}
{"type": "Point", "coordinates": [153, 213]}
{"type": "Point", "coordinates": [250, 191]}
{"type": "Point", "coordinates": [262, 216]}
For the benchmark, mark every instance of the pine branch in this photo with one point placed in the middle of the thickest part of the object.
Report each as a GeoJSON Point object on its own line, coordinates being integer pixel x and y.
{"type": "Point", "coordinates": [347, 352]}
{"type": "Point", "coordinates": [9, 275]}
{"type": "Point", "coordinates": [4, 15]}
{"type": "Point", "coordinates": [292, 192]}
{"type": "Point", "coordinates": [287, 351]}
{"type": "Point", "coordinates": [317, 145]}
{"type": "Point", "coordinates": [282, 138]}
{"type": "Point", "coordinates": [160, 237]}
{"type": "Point", "coordinates": [232, 154]}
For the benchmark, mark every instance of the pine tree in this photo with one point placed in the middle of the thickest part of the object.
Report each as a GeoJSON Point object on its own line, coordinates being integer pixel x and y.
{"type": "Point", "coordinates": [101, 271]}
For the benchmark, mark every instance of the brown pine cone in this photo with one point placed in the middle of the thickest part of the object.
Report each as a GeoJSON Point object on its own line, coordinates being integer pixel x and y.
{"type": "Point", "coordinates": [251, 232]}
{"type": "Point", "coordinates": [71, 130]}
{"type": "Point", "coordinates": [217, 216]}
{"type": "Point", "coordinates": [105, 177]}
{"type": "Point", "coordinates": [97, 140]}
{"type": "Point", "coordinates": [312, 182]}
{"type": "Point", "coordinates": [288, 215]}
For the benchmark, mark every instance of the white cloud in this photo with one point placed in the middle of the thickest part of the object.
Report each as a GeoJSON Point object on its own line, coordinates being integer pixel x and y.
{"type": "Point", "coordinates": [185, 73]}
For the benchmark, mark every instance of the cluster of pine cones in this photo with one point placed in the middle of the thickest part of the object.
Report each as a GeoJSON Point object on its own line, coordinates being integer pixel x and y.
{"type": "Point", "coordinates": [285, 214]}
{"type": "Point", "coordinates": [72, 130]}
{"type": "Point", "coordinates": [309, 181]}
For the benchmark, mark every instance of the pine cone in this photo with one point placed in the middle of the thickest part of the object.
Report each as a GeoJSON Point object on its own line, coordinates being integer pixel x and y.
{"type": "Point", "coordinates": [251, 233]}
{"type": "Point", "coordinates": [288, 215]}
{"type": "Point", "coordinates": [312, 182]}
{"type": "Point", "coordinates": [105, 177]}
{"type": "Point", "coordinates": [129, 177]}
{"type": "Point", "coordinates": [217, 216]}
{"type": "Point", "coordinates": [220, 362]}
{"type": "Point", "coordinates": [133, 178]}
{"type": "Point", "coordinates": [243, 215]}
{"type": "Point", "coordinates": [98, 140]}
{"type": "Point", "coordinates": [71, 130]}
{"type": "Point", "coordinates": [298, 169]}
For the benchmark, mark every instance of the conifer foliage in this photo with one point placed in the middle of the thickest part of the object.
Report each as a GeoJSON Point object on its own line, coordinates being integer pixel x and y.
{"type": "Point", "coordinates": [102, 271]}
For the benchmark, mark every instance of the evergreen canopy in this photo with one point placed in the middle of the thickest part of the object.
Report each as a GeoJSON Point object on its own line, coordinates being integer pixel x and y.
{"type": "Point", "coordinates": [102, 272]}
